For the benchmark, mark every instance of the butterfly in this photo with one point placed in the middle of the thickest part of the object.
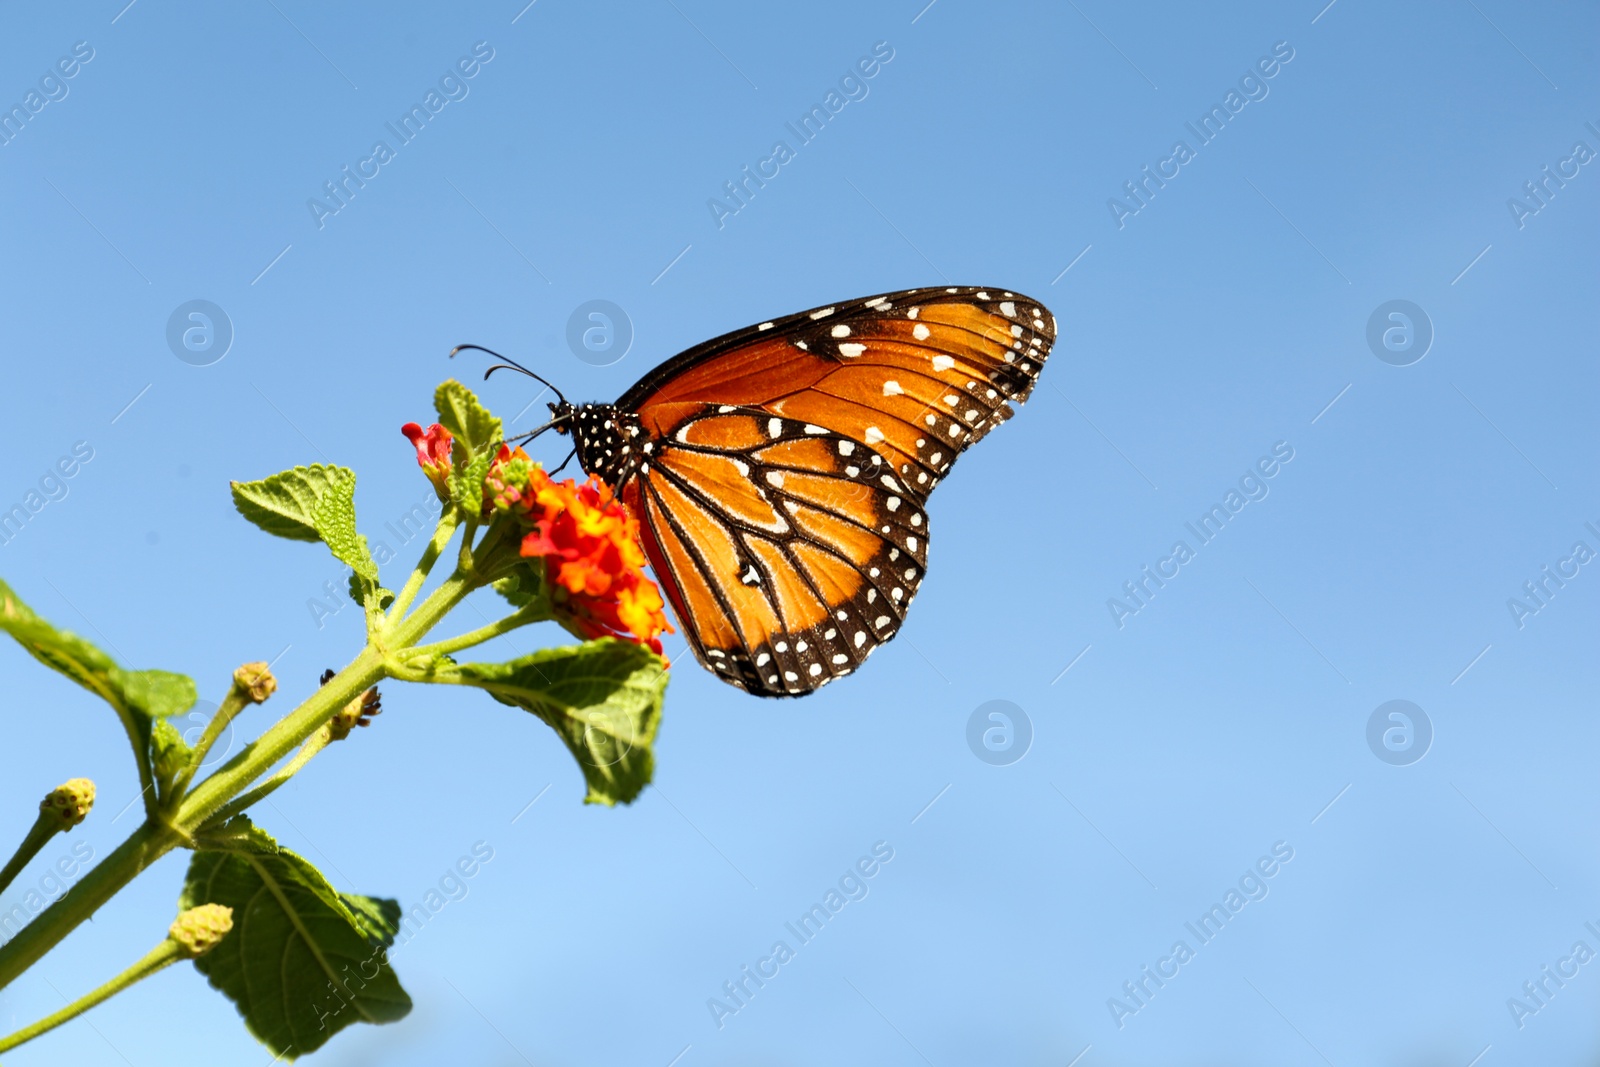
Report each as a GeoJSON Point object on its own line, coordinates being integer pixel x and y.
{"type": "Point", "coordinates": [779, 473]}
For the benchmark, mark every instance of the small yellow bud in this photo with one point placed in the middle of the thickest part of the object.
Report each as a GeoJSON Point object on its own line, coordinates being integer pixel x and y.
{"type": "Point", "coordinates": [198, 930]}
{"type": "Point", "coordinates": [70, 802]}
{"type": "Point", "coordinates": [255, 682]}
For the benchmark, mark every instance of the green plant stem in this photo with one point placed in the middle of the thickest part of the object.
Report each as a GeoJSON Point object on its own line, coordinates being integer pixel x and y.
{"type": "Point", "coordinates": [528, 615]}
{"type": "Point", "coordinates": [136, 741]}
{"type": "Point", "coordinates": [232, 704]}
{"type": "Point", "coordinates": [168, 952]}
{"type": "Point", "coordinates": [143, 847]}
{"type": "Point", "coordinates": [266, 751]}
{"type": "Point", "coordinates": [464, 559]}
{"type": "Point", "coordinates": [43, 829]}
{"type": "Point", "coordinates": [157, 836]}
{"type": "Point", "coordinates": [319, 741]}
{"type": "Point", "coordinates": [430, 555]}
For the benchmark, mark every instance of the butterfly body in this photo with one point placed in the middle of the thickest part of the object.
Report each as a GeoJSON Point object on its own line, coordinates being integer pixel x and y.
{"type": "Point", "coordinates": [779, 473]}
{"type": "Point", "coordinates": [606, 439]}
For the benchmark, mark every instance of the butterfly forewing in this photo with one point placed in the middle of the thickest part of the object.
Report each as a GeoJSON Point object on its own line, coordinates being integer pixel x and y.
{"type": "Point", "coordinates": [917, 375]}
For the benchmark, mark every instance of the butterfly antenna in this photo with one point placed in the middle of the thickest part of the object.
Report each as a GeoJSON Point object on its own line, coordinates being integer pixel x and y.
{"type": "Point", "coordinates": [523, 438]}
{"type": "Point", "coordinates": [508, 364]}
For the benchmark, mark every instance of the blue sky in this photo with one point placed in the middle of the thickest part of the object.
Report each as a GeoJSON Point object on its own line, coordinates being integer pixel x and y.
{"type": "Point", "coordinates": [1226, 318]}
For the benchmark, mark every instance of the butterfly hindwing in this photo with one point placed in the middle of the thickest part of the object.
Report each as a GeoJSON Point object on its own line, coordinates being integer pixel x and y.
{"type": "Point", "coordinates": [788, 551]}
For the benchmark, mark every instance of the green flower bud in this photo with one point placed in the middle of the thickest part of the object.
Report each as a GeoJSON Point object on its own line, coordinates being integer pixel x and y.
{"type": "Point", "coordinates": [69, 802]}
{"type": "Point", "coordinates": [169, 752]}
{"type": "Point", "coordinates": [198, 930]}
{"type": "Point", "coordinates": [254, 682]}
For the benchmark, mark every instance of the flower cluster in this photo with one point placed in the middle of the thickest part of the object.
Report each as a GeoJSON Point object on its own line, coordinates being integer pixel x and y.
{"type": "Point", "coordinates": [581, 535]}
{"type": "Point", "coordinates": [589, 546]}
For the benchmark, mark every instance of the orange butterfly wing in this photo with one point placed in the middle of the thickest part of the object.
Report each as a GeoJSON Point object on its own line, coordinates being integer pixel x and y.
{"type": "Point", "coordinates": [788, 552]}
{"type": "Point", "coordinates": [918, 375]}
{"type": "Point", "coordinates": [784, 469]}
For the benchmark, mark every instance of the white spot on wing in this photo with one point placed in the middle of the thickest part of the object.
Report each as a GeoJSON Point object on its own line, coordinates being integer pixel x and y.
{"type": "Point", "coordinates": [874, 435]}
{"type": "Point", "coordinates": [850, 349]}
{"type": "Point", "coordinates": [943, 363]}
{"type": "Point", "coordinates": [822, 313]}
{"type": "Point", "coordinates": [775, 427]}
{"type": "Point", "coordinates": [765, 326]}
{"type": "Point", "coordinates": [841, 330]}
{"type": "Point", "coordinates": [920, 332]}
{"type": "Point", "coordinates": [892, 388]}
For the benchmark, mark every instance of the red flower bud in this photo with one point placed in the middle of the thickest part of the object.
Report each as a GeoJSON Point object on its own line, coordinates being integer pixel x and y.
{"type": "Point", "coordinates": [433, 454]}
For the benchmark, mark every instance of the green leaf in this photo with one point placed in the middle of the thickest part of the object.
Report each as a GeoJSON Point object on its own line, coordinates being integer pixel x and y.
{"type": "Point", "coordinates": [377, 918]}
{"type": "Point", "coordinates": [467, 420]}
{"type": "Point", "coordinates": [602, 697]}
{"type": "Point", "coordinates": [159, 693]}
{"type": "Point", "coordinates": [315, 503]}
{"type": "Point", "coordinates": [334, 518]}
{"type": "Point", "coordinates": [285, 504]}
{"type": "Point", "coordinates": [303, 961]}
{"type": "Point", "coordinates": [477, 434]}
{"type": "Point", "coordinates": [139, 697]}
